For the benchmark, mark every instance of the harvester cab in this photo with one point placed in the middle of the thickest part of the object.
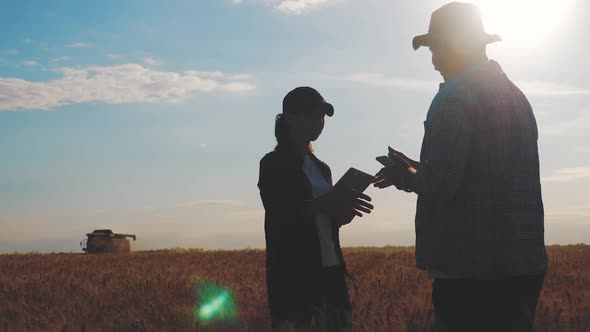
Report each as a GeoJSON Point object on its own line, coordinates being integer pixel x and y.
{"type": "Point", "coordinates": [105, 241]}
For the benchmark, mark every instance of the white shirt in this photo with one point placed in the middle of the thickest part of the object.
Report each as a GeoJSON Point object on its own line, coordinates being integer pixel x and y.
{"type": "Point", "coordinates": [319, 187]}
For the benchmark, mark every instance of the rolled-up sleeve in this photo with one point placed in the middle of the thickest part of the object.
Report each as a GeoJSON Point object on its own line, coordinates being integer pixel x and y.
{"type": "Point", "coordinates": [449, 134]}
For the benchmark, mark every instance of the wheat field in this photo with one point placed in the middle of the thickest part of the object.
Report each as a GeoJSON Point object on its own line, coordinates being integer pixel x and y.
{"type": "Point", "coordinates": [159, 291]}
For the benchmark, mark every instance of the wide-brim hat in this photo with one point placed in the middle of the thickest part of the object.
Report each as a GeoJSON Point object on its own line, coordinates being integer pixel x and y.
{"type": "Point", "coordinates": [456, 21]}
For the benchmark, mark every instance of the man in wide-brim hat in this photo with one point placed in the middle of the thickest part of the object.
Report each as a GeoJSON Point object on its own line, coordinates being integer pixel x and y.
{"type": "Point", "coordinates": [479, 216]}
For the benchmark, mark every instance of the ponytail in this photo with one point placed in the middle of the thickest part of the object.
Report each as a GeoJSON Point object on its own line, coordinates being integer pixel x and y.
{"type": "Point", "coordinates": [283, 134]}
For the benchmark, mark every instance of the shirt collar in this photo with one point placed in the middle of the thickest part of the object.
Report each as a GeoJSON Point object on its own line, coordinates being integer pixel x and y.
{"type": "Point", "coordinates": [464, 74]}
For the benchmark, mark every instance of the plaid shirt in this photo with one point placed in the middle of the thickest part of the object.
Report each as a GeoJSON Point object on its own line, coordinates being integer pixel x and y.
{"type": "Point", "coordinates": [479, 212]}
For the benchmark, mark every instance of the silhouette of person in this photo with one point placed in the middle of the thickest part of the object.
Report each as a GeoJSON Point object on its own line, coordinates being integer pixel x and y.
{"type": "Point", "coordinates": [305, 270]}
{"type": "Point", "coordinates": [479, 216]}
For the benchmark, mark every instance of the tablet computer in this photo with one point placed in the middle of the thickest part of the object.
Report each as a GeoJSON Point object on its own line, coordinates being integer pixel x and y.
{"type": "Point", "coordinates": [355, 179]}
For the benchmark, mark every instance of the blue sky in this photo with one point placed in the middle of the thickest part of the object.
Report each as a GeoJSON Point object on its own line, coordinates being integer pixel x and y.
{"type": "Point", "coordinates": [150, 117]}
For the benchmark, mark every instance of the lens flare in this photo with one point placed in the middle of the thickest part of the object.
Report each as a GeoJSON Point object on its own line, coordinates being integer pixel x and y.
{"type": "Point", "coordinates": [526, 24]}
{"type": "Point", "coordinates": [216, 304]}
{"type": "Point", "coordinates": [209, 310]}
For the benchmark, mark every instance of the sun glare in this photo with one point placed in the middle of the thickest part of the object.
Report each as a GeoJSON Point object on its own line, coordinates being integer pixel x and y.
{"type": "Point", "coordinates": [525, 24]}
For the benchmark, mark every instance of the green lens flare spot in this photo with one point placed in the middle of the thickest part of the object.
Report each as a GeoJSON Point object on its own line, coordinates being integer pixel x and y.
{"type": "Point", "coordinates": [216, 304]}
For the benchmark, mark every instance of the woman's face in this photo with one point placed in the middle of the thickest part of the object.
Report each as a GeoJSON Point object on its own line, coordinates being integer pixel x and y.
{"type": "Point", "coordinates": [309, 126]}
{"type": "Point", "coordinates": [317, 122]}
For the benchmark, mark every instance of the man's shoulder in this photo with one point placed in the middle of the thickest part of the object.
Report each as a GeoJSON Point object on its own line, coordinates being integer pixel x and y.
{"type": "Point", "coordinates": [496, 91]}
{"type": "Point", "coordinates": [491, 79]}
{"type": "Point", "coordinates": [484, 88]}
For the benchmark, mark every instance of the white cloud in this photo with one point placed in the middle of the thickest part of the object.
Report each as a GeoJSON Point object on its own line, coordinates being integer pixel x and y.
{"type": "Point", "coordinates": [220, 75]}
{"type": "Point", "coordinates": [574, 124]}
{"type": "Point", "coordinates": [582, 210]}
{"type": "Point", "coordinates": [150, 60]}
{"type": "Point", "coordinates": [530, 88]}
{"type": "Point", "coordinates": [380, 80]}
{"type": "Point", "coordinates": [61, 58]}
{"type": "Point", "coordinates": [11, 52]}
{"type": "Point", "coordinates": [291, 7]}
{"type": "Point", "coordinates": [297, 7]}
{"type": "Point", "coordinates": [239, 77]}
{"type": "Point", "coordinates": [212, 203]}
{"type": "Point", "coordinates": [211, 74]}
{"type": "Point", "coordinates": [30, 63]}
{"type": "Point", "coordinates": [544, 88]}
{"type": "Point", "coordinates": [569, 174]}
{"type": "Point", "coordinates": [79, 45]}
{"type": "Point", "coordinates": [119, 84]}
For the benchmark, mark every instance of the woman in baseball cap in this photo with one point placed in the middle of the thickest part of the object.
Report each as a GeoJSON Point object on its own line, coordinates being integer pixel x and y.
{"type": "Point", "coordinates": [306, 274]}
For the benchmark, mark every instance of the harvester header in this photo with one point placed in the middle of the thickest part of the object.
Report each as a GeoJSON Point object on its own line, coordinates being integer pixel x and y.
{"type": "Point", "coordinates": [105, 241]}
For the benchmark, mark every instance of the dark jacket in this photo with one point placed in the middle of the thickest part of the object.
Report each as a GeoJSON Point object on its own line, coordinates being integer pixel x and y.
{"type": "Point", "coordinates": [293, 258]}
{"type": "Point", "coordinates": [480, 210]}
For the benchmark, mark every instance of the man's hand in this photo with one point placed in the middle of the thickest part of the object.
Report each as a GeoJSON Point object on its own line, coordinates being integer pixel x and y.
{"type": "Point", "coordinates": [399, 175]}
{"type": "Point", "coordinates": [390, 175]}
{"type": "Point", "coordinates": [403, 159]}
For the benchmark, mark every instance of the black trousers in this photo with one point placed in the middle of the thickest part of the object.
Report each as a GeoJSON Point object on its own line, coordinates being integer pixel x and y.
{"type": "Point", "coordinates": [330, 312]}
{"type": "Point", "coordinates": [486, 305]}
{"type": "Point", "coordinates": [335, 311]}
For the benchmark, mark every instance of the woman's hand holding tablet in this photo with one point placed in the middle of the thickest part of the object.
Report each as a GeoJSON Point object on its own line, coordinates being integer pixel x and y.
{"type": "Point", "coordinates": [346, 200]}
{"type": "Point", "coordinates": [355, 179]}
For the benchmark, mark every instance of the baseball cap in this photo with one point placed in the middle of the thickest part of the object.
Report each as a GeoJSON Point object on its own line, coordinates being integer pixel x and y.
{"type": "Point", "coordinates": [305, 99]}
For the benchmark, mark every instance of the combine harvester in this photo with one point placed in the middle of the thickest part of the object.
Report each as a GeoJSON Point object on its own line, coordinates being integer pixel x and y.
{"type": "Point", "coordinates": [105, 241]}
